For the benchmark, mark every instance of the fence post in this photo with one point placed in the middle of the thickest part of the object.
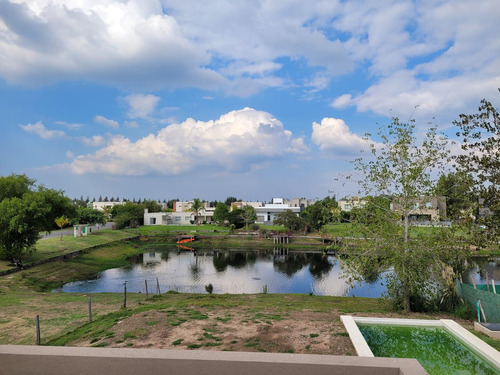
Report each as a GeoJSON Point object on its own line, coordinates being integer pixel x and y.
{"type": "Point", "coordinates": [157, 286]}
{"type": "Point", "coordinates": [38, 339]}
{"type": "Point", "coordinates": [146, 283]}
{"type": "Point", "coordinates": [90, 309]}
{"type": "Point", "coordinates": [125, 294]}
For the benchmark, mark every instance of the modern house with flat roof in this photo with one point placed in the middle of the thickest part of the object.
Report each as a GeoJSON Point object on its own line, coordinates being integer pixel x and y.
{"type": "Point", "coordinates": [267, 213]}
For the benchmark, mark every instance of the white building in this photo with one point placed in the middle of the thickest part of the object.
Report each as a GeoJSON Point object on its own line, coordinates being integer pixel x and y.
{"type": "Point", "coordinates": [102, 205]}
{"type": "Point", "coordinates": [267, 213]}
{"type": "Point", "coordinates": [348, 204]}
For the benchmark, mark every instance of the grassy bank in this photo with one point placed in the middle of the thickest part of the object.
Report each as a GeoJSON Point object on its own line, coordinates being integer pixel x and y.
{"type": "Point", "coordinates": [52, 247]}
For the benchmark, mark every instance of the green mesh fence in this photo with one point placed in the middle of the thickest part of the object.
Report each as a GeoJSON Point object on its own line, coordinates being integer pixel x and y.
{"type": "Point", "coordinates": [489, 300]}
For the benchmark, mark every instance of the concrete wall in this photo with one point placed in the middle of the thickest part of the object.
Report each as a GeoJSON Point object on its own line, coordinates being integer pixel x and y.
{"type": "Point", "coordinates": [46, 360]}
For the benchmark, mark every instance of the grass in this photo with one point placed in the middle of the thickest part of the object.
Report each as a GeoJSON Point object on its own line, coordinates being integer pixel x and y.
{"type": "Point", "coordinates": [52, 247]}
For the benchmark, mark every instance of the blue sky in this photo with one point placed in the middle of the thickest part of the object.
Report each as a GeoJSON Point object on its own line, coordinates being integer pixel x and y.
{"type": "Point", "coordinates": [254, 99]}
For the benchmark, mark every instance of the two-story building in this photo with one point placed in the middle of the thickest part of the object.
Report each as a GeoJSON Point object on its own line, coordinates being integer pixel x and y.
{"type": "Point", "coordinates": [422, 208]}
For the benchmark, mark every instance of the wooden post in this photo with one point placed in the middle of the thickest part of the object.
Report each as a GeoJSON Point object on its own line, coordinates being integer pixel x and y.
{"type": "Point", "coordinates": [493, 286]}
{"type": "Point", "coordinates": [473, 282]}
{"type": "Point", "coordinates": [90, 309]}
{"type": "Point", "coordinates": [482, 311]}
{"type": "Point", "coordinates": [157, 286]}
{"type": "Point", "coordinates": [125, 294]}
{"type": "Point", "coordinates": [146, 284]}
{"type": "Point", "coordinates": [38, 339]}
{"type": "Point", "coordinates": [487, 282]}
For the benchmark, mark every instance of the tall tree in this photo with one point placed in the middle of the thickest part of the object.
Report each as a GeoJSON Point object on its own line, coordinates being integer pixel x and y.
{"type": "Point", "coordinates": [401, 166]}
{"type": "Point", "coordinates": [480, 137]}
{"type": "Point", "coordinates": [221, 213]}
{"type": "Point", "coordinates": [461, 202]}
{"type": "Point", "coordinates": [248, 215]}
{"type": "Point", "coordinates": [196, 208]}
{"type": "Point", "coordinates": [290, 220]}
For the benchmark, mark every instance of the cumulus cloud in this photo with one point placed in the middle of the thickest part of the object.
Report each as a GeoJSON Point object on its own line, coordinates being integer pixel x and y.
{"type": "Point", "coordinates": [422, 53]}
{"type": "Point", "coordinates": [103, 120]}
{"type": "Point", "coordinates": [149, 44]}
{"type": "Point", "coordinates": [141, 106]}
{"type": "Point", "coordinates": [235, 142]}
{"type": "Point", "coordinates": [40, 130]}
{"type": "Point", "coordinates": [333, 135]}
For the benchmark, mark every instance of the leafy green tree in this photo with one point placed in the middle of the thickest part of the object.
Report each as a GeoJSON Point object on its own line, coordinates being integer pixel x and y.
{"type": "Point", "coordinates": [15, 186]}
{"type": "Point", "coordinates": [230, 200]}
{"type": "Point", "coordinates": [290, 220]}
{"type": "Point", "coordinates": [221, 213]}
{"type": "Point", "coordinates": [401, 166]}
{"type": "Point", "coordinates": [128, 215]}
{"type": "Point", "coordinates": [321, 213]}
{"type": "Point", "coordinates": [25, 210]}
{"type": "Point", "coordinates": [196, 208]}
{"type": "Point", "coordinates": [20, 224]}
{"type": "Point", "coordinates": [90, 216]}
{"type": "Point", "coordinates": [235, 218]}
{"type": "Point", "coordinates": [457, 187]}
{"type": "Point", "coordinates": [248, 215]}
{"type": "Point", "coordinates": [152, 206]}
{"type": "Point", "coordinates": [61, 222]}
{"type": "Point", "coordinates": [480, 137]}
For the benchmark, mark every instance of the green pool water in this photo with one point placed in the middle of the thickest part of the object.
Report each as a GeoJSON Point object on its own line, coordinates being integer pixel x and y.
{"type": "Point", "coordinates": [436, 349]}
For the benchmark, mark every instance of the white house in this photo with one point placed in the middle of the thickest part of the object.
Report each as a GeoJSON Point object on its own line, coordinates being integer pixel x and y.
{"type": "Point", "coordinates": [267, 213]}
{"type": "Point", "coordinates": [354, 202]}
{"type": "Point", "coordinates": [101, 205]}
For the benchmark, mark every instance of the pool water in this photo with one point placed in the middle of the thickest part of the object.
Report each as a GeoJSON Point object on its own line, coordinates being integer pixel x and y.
{"type": "Point", "coordinates": [436, 349]}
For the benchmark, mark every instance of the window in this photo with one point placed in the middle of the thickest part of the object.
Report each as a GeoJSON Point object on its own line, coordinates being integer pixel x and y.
{"type": "Point", "coordinates": [152, 220]}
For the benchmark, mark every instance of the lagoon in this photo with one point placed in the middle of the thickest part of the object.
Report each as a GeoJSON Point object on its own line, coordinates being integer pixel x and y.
{"type": "Point", "coordinates": [230, 271]}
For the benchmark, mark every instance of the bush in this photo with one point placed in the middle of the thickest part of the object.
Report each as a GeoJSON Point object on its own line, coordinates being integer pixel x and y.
{"type": "Point", "coordinates": [209, 288]}
{"type": "Point", "coordinates": [255, 226]}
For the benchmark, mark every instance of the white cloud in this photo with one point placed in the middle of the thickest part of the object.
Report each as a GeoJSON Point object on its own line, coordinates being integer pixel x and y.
{"type": "Point", "coordinates": [441, 56]}
{"type": "Point", "coordinates": [333, 135]}
{"type": "Point", "coordinates": [70, 154]}
{"type": "Point", "coordinates": [40, 130]}
{"type": "Point", "coordinates": [95, 141]}
{"type": "Point", "coordinates": [141, 106]}
{"type": "Point", "coordinates": [236, 142]}
{"type": "Point", "coordinates": [103, 120]}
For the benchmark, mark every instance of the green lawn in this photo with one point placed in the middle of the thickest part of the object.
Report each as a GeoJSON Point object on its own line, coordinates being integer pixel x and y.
{"type": "Point", "coordinates": [52, 247]}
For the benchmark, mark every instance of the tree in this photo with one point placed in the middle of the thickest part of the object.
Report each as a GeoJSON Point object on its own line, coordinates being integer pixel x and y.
{"type": "Point", "coordinates": [221, 213]}
{"type": "Point", "coordinates": [235, 217]}
{"type": "Point", "coordinates": [61, 222]}
{"type": "Point", "coordinates": [401, 167]}
{"type": "Point", "coordinates": [20, 224]}
{"type": "Point", "coordinates": [87, 215]}
{"type": "Point", "coordinates": [321, 213]}
{"type": "Point", "coordinates": [152, 206]}
{"type": "Point", "coordinates": [25, 211]}
{"type": "Point", "coordinates": [461, 202]}
{"type": "Point", "coordinates": [127, 215]}
{"type": "Point", "coordinates": [290, 220]}
{"type": "Point", "coordinates": [230, 200]}
{"type": "Point", "coordinates": [480, 136]}
{"type": "Point", "coordinates": [196, 207]}
{"type": "Point", "coordinates": [248, 215]}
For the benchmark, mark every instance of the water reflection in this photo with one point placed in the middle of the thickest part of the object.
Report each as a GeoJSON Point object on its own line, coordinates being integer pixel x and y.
{"type": "Point", "coordinates": [280, 270]}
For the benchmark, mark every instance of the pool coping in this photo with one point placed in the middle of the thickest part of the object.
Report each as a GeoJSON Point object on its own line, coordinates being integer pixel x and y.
{"type": "Point", "coordinates": [463, 335]}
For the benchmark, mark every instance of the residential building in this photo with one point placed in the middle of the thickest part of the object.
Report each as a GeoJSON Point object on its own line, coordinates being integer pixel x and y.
{"type": "Point", "coordinates": [423, 208]}
{"type": "Point", "coordinates": [302, 203]}
{"type": "Point", "coordinates": [101, 205]}
{"type": "Point", "coordinates": [267, 213]}
{"type": "Point", "coordinates": [347, 204]}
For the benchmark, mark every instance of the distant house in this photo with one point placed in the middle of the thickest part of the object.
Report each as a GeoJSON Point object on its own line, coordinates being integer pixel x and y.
{"type": "Point", "coordinates": [354, 202]}
{"type": "Point", "coordinates": [267, 213]}
{"type": "Point", "coordinates": [302, 203]}
{"type": "Point", "coordinates": [102, 205]}
{"type": "Point", "coordinates": [423, 208]}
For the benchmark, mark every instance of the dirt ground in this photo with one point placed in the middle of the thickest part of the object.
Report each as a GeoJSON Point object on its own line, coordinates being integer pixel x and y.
{"type": "Point", "coordinates": [305, 331]}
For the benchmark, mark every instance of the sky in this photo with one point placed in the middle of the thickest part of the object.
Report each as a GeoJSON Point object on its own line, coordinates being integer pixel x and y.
{"type": "Point", "coordinates": [209, 99]}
